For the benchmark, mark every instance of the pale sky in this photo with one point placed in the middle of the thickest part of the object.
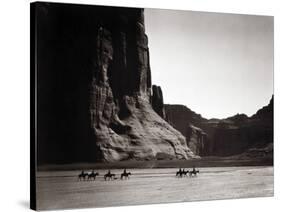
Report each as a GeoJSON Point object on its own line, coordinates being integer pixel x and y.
{"type": "Point", "coordinates": [216, 64]}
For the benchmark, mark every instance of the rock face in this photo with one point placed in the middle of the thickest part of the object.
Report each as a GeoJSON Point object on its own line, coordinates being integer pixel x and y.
{"type": "Point", "coordinates": [224, 137]}
{"type": "Point", "coordinates": [122, 118]}
{"type": "Point", "coordinates": [240, 133]}
{"type": "Point", "coordinates": [196, 139]}
{"type": "Point", "coordinates": [262, 152]}
{"type": "Point", "coordinates": [188, 123]}
{"type": "Point", "coordinates": [158, 101]}
{"type": "Point", "coordinates": [102, 99]}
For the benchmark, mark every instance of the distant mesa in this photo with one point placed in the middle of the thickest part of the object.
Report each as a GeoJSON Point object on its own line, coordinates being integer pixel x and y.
{"type": "Point", "coordinates": [223, 137]}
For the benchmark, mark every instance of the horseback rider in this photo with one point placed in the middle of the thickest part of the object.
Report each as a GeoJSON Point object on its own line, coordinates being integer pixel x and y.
{"type": "Point", "coordinates": [125, 171]}
{"type": "Point", "coordinates": [193, 170]}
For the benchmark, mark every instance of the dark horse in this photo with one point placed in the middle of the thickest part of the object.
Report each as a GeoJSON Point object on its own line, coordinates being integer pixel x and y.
{"type": "Point", "coordinates": [109, 176]}
{"type": "Point", "coordinates": [82, 176]}
{"type": "Point", "coordinates": [193, 172]}
{"type": "Point", "coordinates": [125, 174]}
{"type": "Point", "coordinates": [181, 173]}
{"type": "Point", "coordinates": [92, 175]}
{"type": "Point", "coordinates": [184, 173]}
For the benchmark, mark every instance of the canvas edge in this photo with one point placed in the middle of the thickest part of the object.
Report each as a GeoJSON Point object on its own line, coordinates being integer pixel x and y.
{"type": "Point", "coordinates": [33, 128]}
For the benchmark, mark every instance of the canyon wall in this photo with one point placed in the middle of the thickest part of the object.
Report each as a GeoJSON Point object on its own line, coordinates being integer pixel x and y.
{"type": "Point", "coordinates": [94, 88]}
{"type": "Point", "coordinates": [96, 102]}
{"type": "Point", "coordinates": [189, 124]}
{"type": "Point", "coordinates": [224, 137]}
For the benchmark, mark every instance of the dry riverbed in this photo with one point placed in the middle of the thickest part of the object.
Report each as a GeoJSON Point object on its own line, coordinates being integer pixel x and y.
{"type": "Point", "coordinates": [61, 189]}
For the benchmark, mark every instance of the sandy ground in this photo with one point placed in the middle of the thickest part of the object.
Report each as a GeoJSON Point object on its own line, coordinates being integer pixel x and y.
{"type": "Point", "coordinates": [57, 190]}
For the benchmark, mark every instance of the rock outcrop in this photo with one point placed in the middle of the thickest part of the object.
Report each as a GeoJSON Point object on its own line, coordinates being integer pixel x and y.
{"type": "Point", "coordinates": [239, 133]}
{"type": "Point", "coordinates": [124, 123]}
{"type": "Point", "coordinates": [96, 90]}
{"type": "Point", "coordinates": [265, 152]}
{"type": "Point", "coordinates": [158, 101]}
{"type": "Point", "coordinates": [224, 137]}
{"type": "Point", "coordinates": [196, 139]}
{"type": "Point", "coordinates": [189, 124]}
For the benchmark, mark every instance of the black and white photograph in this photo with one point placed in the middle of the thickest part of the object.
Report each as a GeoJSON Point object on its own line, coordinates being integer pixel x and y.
{"type": "Point", "coordinates": [133, 106]}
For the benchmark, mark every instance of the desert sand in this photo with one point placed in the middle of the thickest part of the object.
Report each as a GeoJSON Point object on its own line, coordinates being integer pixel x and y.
{"type": "Point", "coordinates": [61, 189]}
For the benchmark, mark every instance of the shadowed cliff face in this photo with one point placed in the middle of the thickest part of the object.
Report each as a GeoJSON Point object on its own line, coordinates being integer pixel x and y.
{"type": "Point", "coordinates": [224, 137]}
{"type": "Point", "coordinates": [158, 101]}
{"type": "Point", "coordinates": [94, 88]}
{"type": "Point", "coordinates": [189, 124]}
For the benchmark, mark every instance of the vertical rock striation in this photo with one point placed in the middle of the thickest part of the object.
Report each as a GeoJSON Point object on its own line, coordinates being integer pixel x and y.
{"type": "Point", "coordinates": [95, 89]}
{"type": "Point", "coordinates": [190, 125]}
{"type": "Point", "coordinates": [224, 137]}
{"type": "Point", "coordinates": [196, 139]}
{"type": "Point", "coordinates": [122, 119]}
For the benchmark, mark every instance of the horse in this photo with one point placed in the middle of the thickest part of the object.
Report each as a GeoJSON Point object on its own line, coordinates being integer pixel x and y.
{"type": "Point", "coordinates": [93, 175]}
{"type": "Point", "coordinates": [193, 172]}
{"type": "Point", "coordinates": [83, 175]}
{"type": "Point", "coordinates": [126, 175]}
{"type": "Point", "coordinates": [184, 173]}
{"type": "Point", "coordinates": [181, 173]}
{"type": "Point", "coordinates": [109, 176]}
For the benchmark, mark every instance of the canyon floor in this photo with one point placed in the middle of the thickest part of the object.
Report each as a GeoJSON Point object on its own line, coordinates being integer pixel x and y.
{"type": "Point", "coordinates": [61, 189]}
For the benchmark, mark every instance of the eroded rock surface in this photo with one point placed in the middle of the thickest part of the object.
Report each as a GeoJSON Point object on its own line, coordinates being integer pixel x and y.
{"type": "Point", "coordinates": [196, 139]}
{"type": "Point", "coordinates": [122, 118]}
{"type": "Point", "coordinates": [224, 137]}
{"type": "Point", "coordinates": [95, 88]}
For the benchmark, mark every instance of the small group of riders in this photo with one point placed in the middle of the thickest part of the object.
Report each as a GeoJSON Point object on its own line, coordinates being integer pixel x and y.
{"type": "Point", "coordinates": [126, 175]}
{"type": "Point", "coordinates": [110, 176]}
{"type": "Point", "coordinates": [89, 175]}
{"type": "Point", "coordinates": [183, 173]}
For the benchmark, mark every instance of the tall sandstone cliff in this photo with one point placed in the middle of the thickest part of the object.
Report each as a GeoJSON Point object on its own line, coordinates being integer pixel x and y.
{"type": "Point", "coordinates": [95, 92]}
